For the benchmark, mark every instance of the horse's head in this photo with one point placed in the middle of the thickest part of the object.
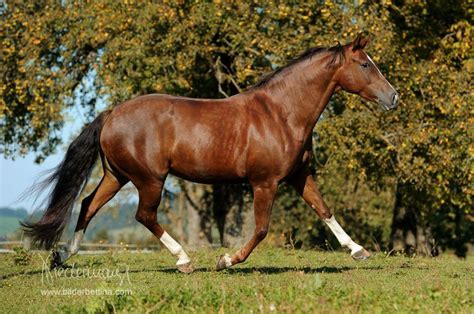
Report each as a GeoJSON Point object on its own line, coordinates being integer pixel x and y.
{"type": "Point", "coordinates": [359, 75]}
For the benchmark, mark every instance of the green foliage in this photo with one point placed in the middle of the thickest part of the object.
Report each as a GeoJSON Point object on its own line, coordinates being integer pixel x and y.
{"type": "Point", "coordinates": [215, 49]}
{"type": "Point", "coordinates": [182, 48]}
{"type": "Point", "coordinates": [21, 256]}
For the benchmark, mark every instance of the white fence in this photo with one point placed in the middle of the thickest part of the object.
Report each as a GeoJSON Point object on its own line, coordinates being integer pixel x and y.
{"type": "Point", "coordinates": [87, 248]}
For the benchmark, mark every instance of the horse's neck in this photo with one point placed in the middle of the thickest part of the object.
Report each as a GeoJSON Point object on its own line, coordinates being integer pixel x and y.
{"type": "Point", "coordinates": [302, 95]}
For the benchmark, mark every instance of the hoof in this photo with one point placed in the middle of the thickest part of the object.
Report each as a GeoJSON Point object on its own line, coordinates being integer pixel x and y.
{"type": "Point", "coordinates": [361, 255]}
{"type": "Point", "coordinates": [186, 268]}
{"type": "Point", "coordinates": [55, 260]}
{"type": "Point", "coordinates": [223, 262]}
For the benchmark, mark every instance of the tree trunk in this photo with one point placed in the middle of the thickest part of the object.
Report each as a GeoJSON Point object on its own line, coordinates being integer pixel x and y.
{"type": "Point", "coordinates": [198, 217]}
{"type": "Point", "coordinates": [409, 235]}
{"type": "Point", "coordinates": [233, 214]}
{"type": "Point", "coordinates": [180, 228]}
{"type": "Point", "coordinates": [240, 222]}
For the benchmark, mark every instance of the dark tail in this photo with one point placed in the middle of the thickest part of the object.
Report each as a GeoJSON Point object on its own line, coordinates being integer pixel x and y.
{"type": "Point", "coordinates": [68, 180]}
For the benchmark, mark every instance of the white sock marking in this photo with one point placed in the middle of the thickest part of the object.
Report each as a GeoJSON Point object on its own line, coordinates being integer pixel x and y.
{"type": "Point", "coordinates": [342, 236]}
{"type": "Point", "coordinates": [228, 260]}
{"type": "Point", "coordinates": [175, 248]}
{"type": "Point", "coordinates": [72, 247]}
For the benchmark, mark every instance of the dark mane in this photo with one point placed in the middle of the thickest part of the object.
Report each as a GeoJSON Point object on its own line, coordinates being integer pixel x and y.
{"type": "Point", "coordinates": [338, 56]}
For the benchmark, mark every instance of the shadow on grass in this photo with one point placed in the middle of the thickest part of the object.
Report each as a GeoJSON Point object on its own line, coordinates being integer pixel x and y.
{"type": "Point", "coordinates": [270, 270]}
{"type": "Point", "coordinates": [280, 270]}
{"type": "Point", "coordinates": [273, 270]}
{"type": "Point", "coordinates": [23, 273]}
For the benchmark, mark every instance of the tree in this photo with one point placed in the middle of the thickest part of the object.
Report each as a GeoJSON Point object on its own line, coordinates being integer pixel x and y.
{"type": "Point", "coordinates": [424, 147]}
{"type": "Point", "coordinates": [413, 164]}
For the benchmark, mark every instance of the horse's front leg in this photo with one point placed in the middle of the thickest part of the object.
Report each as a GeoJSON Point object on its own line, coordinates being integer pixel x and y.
{"type": "Point", "coordinates": [263, 195]}
{"type": "Point", "coordinates": [304, 184]}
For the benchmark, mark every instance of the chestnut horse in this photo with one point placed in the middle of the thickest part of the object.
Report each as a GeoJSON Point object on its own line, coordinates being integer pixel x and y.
{"type": "Point", "coordinates": [261, 136]}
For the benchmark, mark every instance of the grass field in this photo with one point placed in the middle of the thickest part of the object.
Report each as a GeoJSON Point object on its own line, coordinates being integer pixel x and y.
{"type": "Point", "coordinates": [272, 280]}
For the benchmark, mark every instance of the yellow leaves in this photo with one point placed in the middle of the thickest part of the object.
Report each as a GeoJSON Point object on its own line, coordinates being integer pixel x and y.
{"type": "Point", "coordinates": [183, 83]}
{"type": "Point", "coordinates": [469, 65]}
{"type": "Point", "coordinates": [196, 34]}
{"type": "Point", "coordinates": [325, 13]}
{"type": "Point", "coordinates": [248, 72]}
{"type": "Point", "coordinates": [158, 87]}
{"type": "Point", "coordinates": [352, 164]}
{"type": "Point", "coordinates": [283, 11]}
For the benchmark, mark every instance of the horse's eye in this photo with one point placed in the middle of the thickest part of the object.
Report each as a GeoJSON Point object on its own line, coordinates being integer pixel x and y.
{"type": "Point", "coordinates": [365, 65]}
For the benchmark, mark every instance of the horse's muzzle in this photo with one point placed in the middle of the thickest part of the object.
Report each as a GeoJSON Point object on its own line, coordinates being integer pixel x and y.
{"type": "Point", "coordinates": [391, 102]}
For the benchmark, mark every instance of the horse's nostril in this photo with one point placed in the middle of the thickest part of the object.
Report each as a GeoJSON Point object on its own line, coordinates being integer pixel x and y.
{"type": "Point", "coordinates": [395, 99]}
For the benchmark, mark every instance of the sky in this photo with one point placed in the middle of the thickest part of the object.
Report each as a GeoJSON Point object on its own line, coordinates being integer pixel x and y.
{"type": "Point", "coordinates": [19, 174]}
{"type": "Point", "coordinates": [16, 176]}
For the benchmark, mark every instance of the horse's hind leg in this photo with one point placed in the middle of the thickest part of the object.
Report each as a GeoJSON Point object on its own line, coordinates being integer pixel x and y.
{"type": "Point", "coordinates": [149, 200]}
{"type": "Point", "coordinates": [107, 188]}
{"type": "Point", "coordinates": [304, 184]}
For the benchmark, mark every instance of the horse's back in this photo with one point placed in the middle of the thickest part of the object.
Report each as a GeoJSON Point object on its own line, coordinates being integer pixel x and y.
{"type": "Point", "coordinates": [192, 138]}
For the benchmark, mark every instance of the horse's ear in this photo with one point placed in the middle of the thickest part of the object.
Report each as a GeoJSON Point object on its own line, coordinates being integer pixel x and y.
{"type": "Point", "coordinates": [360, 42]}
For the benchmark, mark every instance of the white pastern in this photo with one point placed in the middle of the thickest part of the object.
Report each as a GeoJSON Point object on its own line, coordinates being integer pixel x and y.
{"type": "Point", "coordinates": [175, 248]}
{"type": "Point", "coordinates": [72, 247]}
{"type": "Point", "coordinates": [342, 236]}
{"type": "Point", "coordinates": [228, 260]}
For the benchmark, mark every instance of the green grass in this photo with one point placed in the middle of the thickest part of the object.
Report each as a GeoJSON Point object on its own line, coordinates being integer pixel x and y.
{"type": "Point", "coordinates": [271, 280]}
